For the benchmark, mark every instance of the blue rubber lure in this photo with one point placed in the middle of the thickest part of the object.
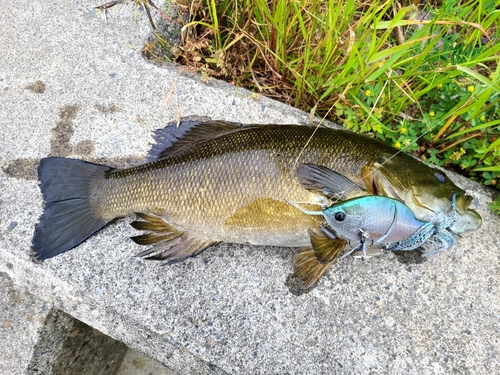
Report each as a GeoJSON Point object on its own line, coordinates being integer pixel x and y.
{"type": "Point", "coordinates": [384, 222]}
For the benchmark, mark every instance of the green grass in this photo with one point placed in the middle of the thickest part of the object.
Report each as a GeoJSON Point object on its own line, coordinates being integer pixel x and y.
{"type": "Point", "coordinates": [424, 78]}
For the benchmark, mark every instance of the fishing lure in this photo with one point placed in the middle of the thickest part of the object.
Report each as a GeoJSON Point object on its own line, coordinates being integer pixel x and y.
{"type": "Point", "coordinates": [377, 221]}
{"type": "Point", "coordinates": [430, 233]}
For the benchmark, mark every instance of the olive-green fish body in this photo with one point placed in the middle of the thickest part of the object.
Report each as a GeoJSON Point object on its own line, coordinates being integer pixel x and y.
{"type": "Point", "coordinates": [232, 188]}
{"type": "Point", "coordinates": [233, 197]}
{"type": "Point", "coordinates": [215, 181]}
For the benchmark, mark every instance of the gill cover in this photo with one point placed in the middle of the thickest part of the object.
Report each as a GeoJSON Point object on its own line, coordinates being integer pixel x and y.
{"type": "Point", "coordinates": [426, 191]}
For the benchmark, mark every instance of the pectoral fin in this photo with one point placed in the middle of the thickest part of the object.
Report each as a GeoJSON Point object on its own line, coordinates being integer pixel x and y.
{"type": "Point", "coordinates": [170, 244]}
{"type": "Point", "coordinates": [325, 248]}
{"type": "Point", "coordinates": [326, 182]}
{"type": "Point", "coordinates": [307, 266]}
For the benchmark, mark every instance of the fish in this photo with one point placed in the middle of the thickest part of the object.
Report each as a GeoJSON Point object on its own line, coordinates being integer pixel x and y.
{"type": "Point", "coordinates": [213, 181]}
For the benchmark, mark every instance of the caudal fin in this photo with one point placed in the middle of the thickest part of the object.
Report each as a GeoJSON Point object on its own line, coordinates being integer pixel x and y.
{"type": "Point", "coordinates": [68, 218]}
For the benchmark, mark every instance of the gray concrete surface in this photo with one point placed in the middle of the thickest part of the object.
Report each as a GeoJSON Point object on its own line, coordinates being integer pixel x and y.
{"type": "Point", "coordinates": [40, 339]}
{"type": "Point", "coordinates": [22, 317]}
{"type": "Point", "coordinates": [66, 346]}
{"type": "Point", "coordinates": [72, 84]}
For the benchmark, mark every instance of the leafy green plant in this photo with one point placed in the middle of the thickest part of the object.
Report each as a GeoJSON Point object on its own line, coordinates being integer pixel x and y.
{"type": "Point", "coordinates": [495, 205]}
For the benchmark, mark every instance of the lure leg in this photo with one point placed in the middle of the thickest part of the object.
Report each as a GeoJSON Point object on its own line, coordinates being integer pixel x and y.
{"type": "Point", "coordinates": [416, 240]}
{"type": "Point", "coordinates": [450, 219]}
{"type": "Point", "coordinates": [453, 216]}
{"type": "Point", "coordinates": [441, 232]}
{"type": "Point", "coordinates": [447, 242]}
{"type": "Point", "coordinates": [428, 232]}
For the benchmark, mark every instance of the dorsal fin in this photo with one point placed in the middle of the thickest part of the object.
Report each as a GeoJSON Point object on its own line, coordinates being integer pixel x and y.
{"type": "Point", "coordinates": [173, 140]}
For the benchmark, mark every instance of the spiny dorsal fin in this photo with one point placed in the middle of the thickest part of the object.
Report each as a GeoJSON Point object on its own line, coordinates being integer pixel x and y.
{"type": "Point", "coordinates": [169, 243]}
{"type": "Point", "coordinates": [174, 140]}
{"type": "Point", "coordinates": [325, 181]}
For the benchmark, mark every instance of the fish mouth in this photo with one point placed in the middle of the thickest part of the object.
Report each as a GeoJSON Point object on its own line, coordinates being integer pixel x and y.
{"type": "Point", "coordinates": [463, 203]}
{"type": "Point", "coordinates": [468, 220]}
{"type": "Point", "coordinates": [466, 223]}
{"type": "Point", "coordinates": [427, 206]}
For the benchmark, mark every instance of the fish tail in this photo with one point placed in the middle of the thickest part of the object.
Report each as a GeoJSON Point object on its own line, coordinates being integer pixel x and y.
{"type": "Point", "coordinates": [68, 218]}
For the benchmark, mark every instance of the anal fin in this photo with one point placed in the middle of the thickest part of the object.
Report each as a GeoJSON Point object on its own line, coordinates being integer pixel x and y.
{"type": "Point", "coordinates": [170, 244]}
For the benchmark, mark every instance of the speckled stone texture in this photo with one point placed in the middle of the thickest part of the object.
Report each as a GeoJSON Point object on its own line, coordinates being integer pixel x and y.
{"type": "Point", "coordinates": [227, 311]}
{"type": "Point", "coordinates": [22, 316]}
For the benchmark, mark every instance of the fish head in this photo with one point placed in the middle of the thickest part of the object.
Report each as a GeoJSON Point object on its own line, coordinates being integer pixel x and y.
{"type": "Point", "coordinates": [426, 191]}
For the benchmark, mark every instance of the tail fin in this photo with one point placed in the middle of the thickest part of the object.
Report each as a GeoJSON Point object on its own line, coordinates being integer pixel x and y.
{"type": "Point", "coordinates": [67, 219]}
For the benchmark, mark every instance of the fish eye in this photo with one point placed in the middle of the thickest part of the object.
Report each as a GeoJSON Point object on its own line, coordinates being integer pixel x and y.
{"type": "Point", "coordinates": [339, 216]}
{"type": "Point", "coordinates": [441, 177]}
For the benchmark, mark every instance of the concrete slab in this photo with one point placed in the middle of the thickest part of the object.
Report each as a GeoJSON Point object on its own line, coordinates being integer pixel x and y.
{"type": "Point", "coordinates": [40, 339]}
{"type": "Point", "coordinates": [135, 363]}
{"type": "Point", "coordinates": [74, 85]}
{"type": "Point", "coordinates": [67, 346]}
{"type": "Point", "coordinates": [22, 316]}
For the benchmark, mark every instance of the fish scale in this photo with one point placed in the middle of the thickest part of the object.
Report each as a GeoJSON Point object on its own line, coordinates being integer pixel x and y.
{"type": "Point", "coordinates": [210, 184]}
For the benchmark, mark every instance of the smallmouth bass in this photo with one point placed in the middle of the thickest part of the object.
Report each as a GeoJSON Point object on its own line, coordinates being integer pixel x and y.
{"type": "Point", "coordinates": [216, 181]}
